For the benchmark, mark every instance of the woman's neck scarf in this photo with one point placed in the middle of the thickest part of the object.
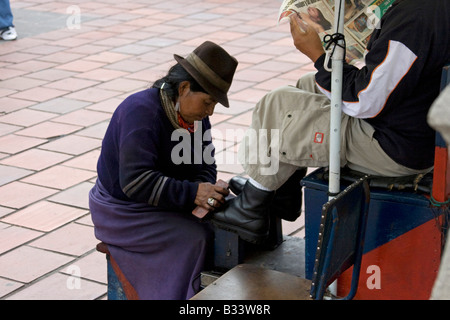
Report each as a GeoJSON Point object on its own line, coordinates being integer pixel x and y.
{"type": "Point", "coordinates": [173, 113]}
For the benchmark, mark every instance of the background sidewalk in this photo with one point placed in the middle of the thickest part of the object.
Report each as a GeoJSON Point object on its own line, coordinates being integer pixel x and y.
{"type": "Point", "coordinates": [73, 63]}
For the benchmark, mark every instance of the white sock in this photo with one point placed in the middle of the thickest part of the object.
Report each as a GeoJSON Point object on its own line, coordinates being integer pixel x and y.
{"type": "Point", "coordinates": [258, 185]}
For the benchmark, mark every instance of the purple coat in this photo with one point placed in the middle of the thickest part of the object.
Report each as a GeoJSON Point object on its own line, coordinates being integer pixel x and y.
{"type": "Point", "coordinates": [142, 201]}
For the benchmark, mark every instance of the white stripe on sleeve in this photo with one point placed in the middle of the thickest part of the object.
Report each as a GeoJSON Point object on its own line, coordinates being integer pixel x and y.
{"type": "Point", "coordinates": [383, 81]}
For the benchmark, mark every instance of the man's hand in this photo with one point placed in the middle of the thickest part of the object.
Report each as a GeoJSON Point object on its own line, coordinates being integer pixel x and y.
{"type": "Point", "coordinates": [307, 41]}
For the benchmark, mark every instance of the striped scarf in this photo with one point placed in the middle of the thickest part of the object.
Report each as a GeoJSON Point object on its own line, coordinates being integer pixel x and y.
{"type": "Point", "coordinates": [173, 114]}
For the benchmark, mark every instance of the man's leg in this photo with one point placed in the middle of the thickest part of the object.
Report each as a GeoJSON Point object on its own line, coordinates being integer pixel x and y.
{"type": "Point", "coordinates": [289, 131]}
{"type": "Point", "coordinates": [7, 30]}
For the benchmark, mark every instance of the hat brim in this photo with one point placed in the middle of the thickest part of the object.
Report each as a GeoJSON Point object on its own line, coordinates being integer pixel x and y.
{"type": "Point", "coordinates": [212, 90]}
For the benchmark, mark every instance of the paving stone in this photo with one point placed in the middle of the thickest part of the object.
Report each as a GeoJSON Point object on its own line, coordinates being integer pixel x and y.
{"type": "Point", "coordinates": [59, 177]}
{"type": "Point", "coordinates": [35, 159]}
{"type": "Point", "coordinates": [18, 194]}
{"type": "Point", "coordinates": [63, 287]}
{"type": "Point", "coordinates": [13, 236]}
{"type": "Point", "coordinates": [72, 239]}
{"type": "Point", "coordinates": [26, 264]}
{"type": "Point", "coordinates": [8, 174]}
{"type": "Point", "coordinates": [44, 216]}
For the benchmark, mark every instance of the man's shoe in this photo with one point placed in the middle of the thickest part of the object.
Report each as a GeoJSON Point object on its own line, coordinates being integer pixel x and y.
{"type": "Point", "coordinates": [247, 214]}
{"type": "Point", "coordinates": [8, 34]}
{"type": "Point", "coordinates": [236, 184]}
{"type": "Point", "coordinates": [287, 202]}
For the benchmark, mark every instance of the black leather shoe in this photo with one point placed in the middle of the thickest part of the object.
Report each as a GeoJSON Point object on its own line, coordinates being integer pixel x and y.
{"type": "Point", "coordinates": [247, 214]}
{"type": "Point", "coordinates": [236, 184]}
{"type": "Point", "coordinates": [287, 203]}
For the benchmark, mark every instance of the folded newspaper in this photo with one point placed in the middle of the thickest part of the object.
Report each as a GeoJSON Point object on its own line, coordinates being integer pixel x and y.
{"type": "Point", "coordinates": [360, 18]}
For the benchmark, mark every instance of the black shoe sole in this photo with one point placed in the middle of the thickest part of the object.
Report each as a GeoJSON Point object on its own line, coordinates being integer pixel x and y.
{"type": "Point", "coordinates": [255, 238]}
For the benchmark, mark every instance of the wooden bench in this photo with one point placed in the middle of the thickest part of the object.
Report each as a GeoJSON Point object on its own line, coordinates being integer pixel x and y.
{"type": "Point", "coordinates": [339, 246]}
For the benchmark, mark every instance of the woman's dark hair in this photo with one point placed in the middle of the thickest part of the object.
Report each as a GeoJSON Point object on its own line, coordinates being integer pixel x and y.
{"type": "Point", "coordinates": [176, 75]}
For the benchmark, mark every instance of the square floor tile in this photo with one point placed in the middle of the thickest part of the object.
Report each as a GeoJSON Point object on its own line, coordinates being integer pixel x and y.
{"type": "Point", "coordinates": [22, 83]}
{"type": "Point", "coordinates": [83, 117]}
{"type": "Point", "coordinates": [35, 159]}
{"type": "Point", "coordinates": [13, 236]}
{"type": "Point", "coordinates": [86, 161]}
{"type": "Point", "coordinates": [5, 211]}
{"type": "Point", "coordinates": [10, 73]}
{"type": "Point", "coordinates": [18, 57]}
{"type": "Point", "coordinates": [108, 105]}
{"type": "Point", "coordinates": [72, 84]}
{"type": "Point", "coordinates": [72, 239]}
{"type": "Point", "coordinates": [63, 287]}
{"type": "Point", "coordinates": [244, 119]}
{"type": "Point", "coordinates": [18, 194]}
{"type": "Point", "coordinates": [8, 286]}
{"type": "Point", "coordinates": [8, 128]}
{"type": "Point", "coordinates": [59, 177]}
{"type": "Point", "coordinates": [124, 85]}
{"type": "Point", "coordinates": [108, 57]}
{"type": "Point", "coordinates": [96, 131]}
{"type": "Point", "coordinates": [8, 174]}
{"type": "Point", "coordinates": [8, 104]}
{"type": "Point", "coordinates": [93, 94]}
{"type": "Point", "coordinates": [26, 264]}
{"type": "Point", "coordinates": [128, 65]}
{"type": "Point", "coordinates": [26, 117]}
{"type": "Point", "coordinates": [12, 143]}
{"type": "Point", "coordinates": [33, 65]}
{"type": "Point", "coordinates": [63, 57]}
{"type": "Point", "coordinates": [72, 144]}
{"type": "Point", "coordinates": [39, 94]}
{"type": "Point", "coordinates": [92, 267]}
{"type": "Point", "coordinates": [44, 216]}
{"type": "Point", "coordinates": [48, 130]}
{"type": "Point", "coordinates": [77, 196]}
{"type": "Point", "coordinates": [51, 74]}
{"type": "Point", "coordinates": [254, 75]}
{"type": "Point", "coordinates": [80, 65]}
{"type": "Point", "coordinates": [249, 95]}
{"type": "Point", "coordinates": [102, 74]}
{"type": "Point", "coordinates": [60, 105]}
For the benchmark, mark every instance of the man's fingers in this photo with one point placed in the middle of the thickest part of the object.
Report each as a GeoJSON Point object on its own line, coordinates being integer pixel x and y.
{"type": "Point", "coordinates": [303, 26]}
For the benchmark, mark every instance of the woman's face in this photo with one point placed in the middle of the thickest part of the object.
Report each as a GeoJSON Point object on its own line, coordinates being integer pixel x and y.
{"type": "Point", "coordinates": [313, 13]}
{"type": "Point", "coordinates": [194, 106]}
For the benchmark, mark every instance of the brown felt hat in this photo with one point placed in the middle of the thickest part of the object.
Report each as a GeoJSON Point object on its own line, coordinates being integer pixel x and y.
{"type": "Point", "coordinates": [213, 68]}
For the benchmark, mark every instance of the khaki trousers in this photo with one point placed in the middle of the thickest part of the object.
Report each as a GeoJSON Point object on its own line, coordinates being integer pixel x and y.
{"type": "Point", "coordinates": [291, 129]}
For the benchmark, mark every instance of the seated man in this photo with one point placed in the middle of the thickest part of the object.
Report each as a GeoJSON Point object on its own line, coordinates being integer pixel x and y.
{"type": "Point", "coordinates": [384, 127]}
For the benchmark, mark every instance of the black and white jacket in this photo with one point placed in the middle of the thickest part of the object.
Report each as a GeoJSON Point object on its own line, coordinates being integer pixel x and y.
{"type": "Point", "coordinates": [400, 80]}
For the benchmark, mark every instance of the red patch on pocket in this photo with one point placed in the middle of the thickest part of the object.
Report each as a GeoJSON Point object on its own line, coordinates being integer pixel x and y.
{"type": "Point", "coordinates": [318, 137]}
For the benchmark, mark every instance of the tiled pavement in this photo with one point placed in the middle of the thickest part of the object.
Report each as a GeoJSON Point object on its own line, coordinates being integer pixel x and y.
{"type": "Point", "coordinates": [73, 63]}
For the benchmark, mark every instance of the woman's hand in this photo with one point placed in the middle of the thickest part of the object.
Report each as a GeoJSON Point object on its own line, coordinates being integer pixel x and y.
{"type": "Point", "coordinates": [207, 191]}
{"type": "Point", "coordinates": [307, 41]}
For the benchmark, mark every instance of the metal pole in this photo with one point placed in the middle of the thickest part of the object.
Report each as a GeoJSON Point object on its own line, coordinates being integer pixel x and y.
{"type": "Point", "coordinates": [337, 61]}
{"type": "Point", "coordinates": [337, 65]}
